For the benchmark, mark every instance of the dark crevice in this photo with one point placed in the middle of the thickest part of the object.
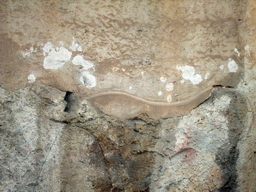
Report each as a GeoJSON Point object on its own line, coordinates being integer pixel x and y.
{"type": "Point", "coordinates": [145, 118]}
{"type": "Point", "coordinates": [222, 86]}
{"type": "Point", "coordinates": [153, 152]}
{"type": "Point", "coordinates": [227, 155]}
{"type": "Point", "coordinates": [137, 131]}
{"type": "Point", "coordinates": [67, 98]}
{"type": "Point", "coordinates": [59, 121]}
{"type": "Point", "coordinates": [228, 165]}
{"type": "Point", "coordinates": [217, 86]}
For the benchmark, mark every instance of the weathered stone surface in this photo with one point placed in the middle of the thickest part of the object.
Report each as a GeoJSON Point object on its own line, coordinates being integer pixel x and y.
{"type": "Point", "coordinates": [48, 144]}
{"type": "Point", "coordinates": [151, 49]}
{"type": "Point", "coordinates": [127, 95]}
{"type": "Point", "coordinates": [29, 139]}
{"type": "Point", "coordinates": [203, 148]}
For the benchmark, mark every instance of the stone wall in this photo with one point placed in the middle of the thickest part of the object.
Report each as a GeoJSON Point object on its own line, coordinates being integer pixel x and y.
{"type": "Point", "coordinates": [127, 95]}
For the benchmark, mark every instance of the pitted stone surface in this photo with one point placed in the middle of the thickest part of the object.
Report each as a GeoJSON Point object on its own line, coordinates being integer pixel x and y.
{"type": "Point", "coordinates": [129, 44]}
{"type": "Point", "coordinates": [127, 95]}
{"type": "Point", "coordinates": [56, 142]}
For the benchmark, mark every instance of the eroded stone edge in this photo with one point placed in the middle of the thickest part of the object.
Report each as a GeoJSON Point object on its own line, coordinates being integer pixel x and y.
{"type": "Point", "coordinates": [127, 106]}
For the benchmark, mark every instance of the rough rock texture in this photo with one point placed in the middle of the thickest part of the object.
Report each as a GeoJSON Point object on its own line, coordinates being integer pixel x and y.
{"type": "Point", "coordinates": [127, 95]}
{"type": "Point", "coordinates": [152, 49]}
{"type": "Point", "coordinates": [52, 141]}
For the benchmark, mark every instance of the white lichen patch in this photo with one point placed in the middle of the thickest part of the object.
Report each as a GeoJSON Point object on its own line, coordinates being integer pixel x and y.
{"type": "Point", "coordinates": [61, 43]}
{"type": "Point", "coordinates": [130, 87]}
{"type": "Point", "coordinates": [222, 67]}
{"type": "Point", "coordinates": [31, 78]}
{"type": "Point", "coordinates": [169, 98]}
{"type": "Point", "coordinates": [55, 58]}
{"type": "Point", "coordinates": [188, 73]}
{"type": "Point", "coordinates": [206, 75]}
{"type": "Point", "coordinates": [75, 46]}
{"type": "Point", "coordinates": [169, 87]}
{"type": "Point", "coordinates": [47, 48]}
{"type": "Point", "coordinates": [27, 53]}
{"type": "Point", "coordinates": [79, 60]}
{"type": "Point", "coordinates": [232, 66]}
{"type": "Point", "coordinates": [163, 78]}
{"type": "Point", "coordinates": [160, 93]}
{"type": "Point", "coordinates": [88, 79]}
{"type": "Point", "coordinates": [238, 54]}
